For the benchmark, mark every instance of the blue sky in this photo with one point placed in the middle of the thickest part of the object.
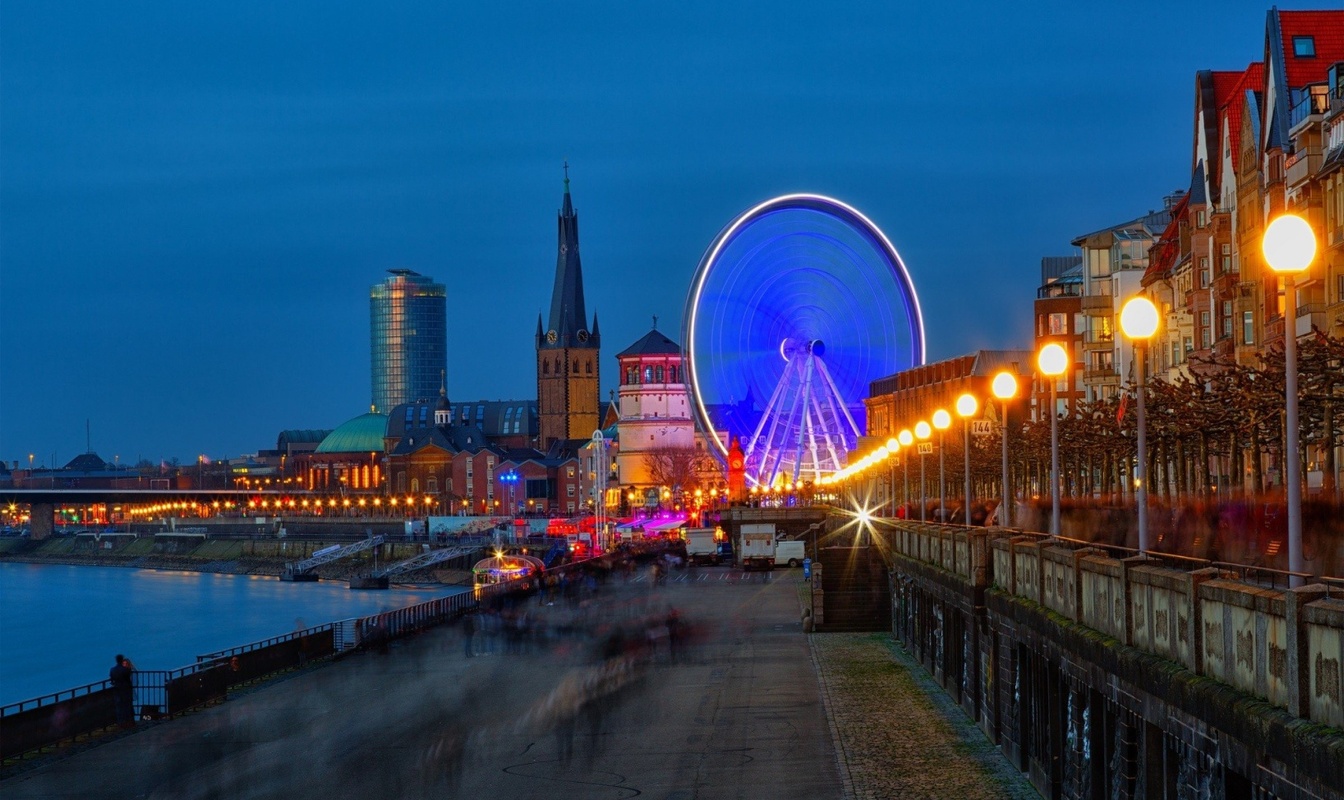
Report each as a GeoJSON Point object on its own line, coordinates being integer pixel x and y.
{"type": "Point", "coordinates": [195, 197]}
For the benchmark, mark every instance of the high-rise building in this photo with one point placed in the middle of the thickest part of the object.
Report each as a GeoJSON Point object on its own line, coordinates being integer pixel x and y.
{"type": "Point", "coordinates": [408, 337]}
{"type": "Point", "coordinates": [567, 350]}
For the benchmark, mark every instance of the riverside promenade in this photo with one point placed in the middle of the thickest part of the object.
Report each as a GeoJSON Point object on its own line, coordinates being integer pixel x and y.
{"type": "Point", "coordinates": [748, 707]}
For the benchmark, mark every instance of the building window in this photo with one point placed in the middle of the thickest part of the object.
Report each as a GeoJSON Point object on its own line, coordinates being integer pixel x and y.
{"type": "Point", "coordinates": [631, 376]}
{"type": "Point", "coordinates": [569, 472]}
{"type": "Point", "coordinates": [415, 486]}
{"type": "Point", "coordinates": [1200, 219]}
{"type": "Point", "coordinates": [1205, 332]}
{"type": "Point", "coordinates": [1247, 327]}
{"type": "Point", "coordinates": [569, 490]}
{"type": "Point", "coordinates": [1203, 272]}
{"type": "Point", "coordinates": [1304, 47]}
{"type": "Point", "coordinates": [432, 484]}
{"type": "Point", "coordinates": [1339, 288]}
{"type": "Point", "coordinates": [1227, 318]}
{"type": "Point", "coordinates": [657, 374]}
{"type": "Point", "coordinates": [648, 374]}
{"type": "Point", "coordinates": [1188, 344]}
{"type": "Point", "coordinates": [1058, 324]}
{"type": "Point", "coordinates": [1225, 263]}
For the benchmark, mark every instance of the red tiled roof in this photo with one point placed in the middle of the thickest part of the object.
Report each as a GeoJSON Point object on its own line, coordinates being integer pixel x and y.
{"type": "Point", "coordinates": [1163, 254]}
{"type": "Point", "coordinates": [1327, 29]}
{"type": "Point", "coordinates": [1252, 79]}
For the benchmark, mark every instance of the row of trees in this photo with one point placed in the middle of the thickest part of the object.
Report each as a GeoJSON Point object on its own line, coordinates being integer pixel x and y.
{"type": "Point", "coordinates": [1219, 428]}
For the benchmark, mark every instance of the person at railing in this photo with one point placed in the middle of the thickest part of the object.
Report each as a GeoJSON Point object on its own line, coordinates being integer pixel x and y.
{"type": "Point", "coordinates": [123, 690]}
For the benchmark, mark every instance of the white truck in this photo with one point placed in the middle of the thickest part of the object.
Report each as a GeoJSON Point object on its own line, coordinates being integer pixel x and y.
{"type": "Point", "coordinates": [701, 547]}
{"type": "Point", "coordinates": [758, 546]}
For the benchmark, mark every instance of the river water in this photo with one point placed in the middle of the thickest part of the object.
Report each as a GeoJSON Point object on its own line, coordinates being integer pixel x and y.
{"type": "Point", "coordinates": [60, 626]}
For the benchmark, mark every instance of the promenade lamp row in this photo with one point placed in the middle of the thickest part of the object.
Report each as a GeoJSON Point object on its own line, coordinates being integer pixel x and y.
{"type": "Point", "coordinates": [1289, 246]}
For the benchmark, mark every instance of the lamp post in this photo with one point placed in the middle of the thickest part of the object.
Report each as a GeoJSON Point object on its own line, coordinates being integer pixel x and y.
{"type": "Point", "coordinates": [1004, 388]}
{"type": "Point", "coordinates": [942, 421]}
{"type": "Point", "coordinates": [922, 433]}
{"type": "Point", "coordinates": [1052, 362]}
{"type": "Point", "coordinates": [1138, 321]}
{"type": "Point", "coordinates": [893, 447]}
{"type": "Point", "coordinates": [905, 438]}
{"type": "Point", "coordinates": [1289, 247]}
{"type": "Point", "coordinates": [966, 408]}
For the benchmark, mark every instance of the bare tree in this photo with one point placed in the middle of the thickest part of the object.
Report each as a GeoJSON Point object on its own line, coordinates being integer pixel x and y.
{"type": "Point", "coordinates": [686, 467]}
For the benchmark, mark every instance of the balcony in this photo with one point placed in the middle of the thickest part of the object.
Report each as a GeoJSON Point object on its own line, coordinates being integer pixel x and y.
{"type": "Point", "coordinates": [1310, 315]}
{"type": "Point", "coordinates": [1302, 165]}
{"type": "Point", "coordinates": [1310, 108]}
{"type": "Point", "coordinates": [1098, 304]}
{"type": "Point", "coordinates": [1102, 376]}
{"type": "Point", "coordinates": [1096, 340]}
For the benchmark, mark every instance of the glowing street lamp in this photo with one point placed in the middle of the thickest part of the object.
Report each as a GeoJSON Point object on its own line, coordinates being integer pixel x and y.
{"type": "Point", "coordinates": [1053, 361]}
{"type": "Point", "coordinates": [942, 421]}
{"type": "Point", "coordinates": [1138, 321]}
{"type": "Point", "coordinates": [905, 438]}
{"type": "Point", "coordinates": [967, 406]}
{"type": "Point", "coordinates": [1289, 247]}
{"type": "Point", "coordinates": [922, 433]}
{"type": "Point", "coordinates": [1004, 388]}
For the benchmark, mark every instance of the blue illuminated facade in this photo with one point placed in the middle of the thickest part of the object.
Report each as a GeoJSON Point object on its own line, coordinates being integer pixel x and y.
{"type": "Point", "coordinates": [408, 338]}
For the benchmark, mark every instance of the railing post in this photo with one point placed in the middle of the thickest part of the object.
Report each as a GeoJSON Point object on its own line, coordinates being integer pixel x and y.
{"type": "Point", "coordinates": [1299, 662]}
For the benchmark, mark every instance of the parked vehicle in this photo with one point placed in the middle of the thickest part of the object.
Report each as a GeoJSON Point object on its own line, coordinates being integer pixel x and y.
{"type": "Point", "coordinates": [789, 553]}
{"type": "Point", "coordinates": [758, 546]}
{"type": "Point", "coordinates": [701, 547]}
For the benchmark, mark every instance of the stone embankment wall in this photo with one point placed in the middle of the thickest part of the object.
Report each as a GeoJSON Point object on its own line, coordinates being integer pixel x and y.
{"type": "Point", "coordinates": [195, 553]}
{"type": "Point", "coordinates": [1126, 677]}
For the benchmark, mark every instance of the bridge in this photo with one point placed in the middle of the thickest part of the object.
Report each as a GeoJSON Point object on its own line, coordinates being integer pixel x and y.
{"type": "Point", "coordinates": [304, 571]}
{"type": "Point", "coordinates": [379, 579]}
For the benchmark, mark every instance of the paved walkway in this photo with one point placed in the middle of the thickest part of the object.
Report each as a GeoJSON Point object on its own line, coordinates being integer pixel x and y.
{"type": "Point", "coordinates": [754, 710]}
{"type": "Point", "coordinates": [899, 734]}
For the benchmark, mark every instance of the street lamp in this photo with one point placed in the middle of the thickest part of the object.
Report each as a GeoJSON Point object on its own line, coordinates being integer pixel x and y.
{"type": "Point", "coordinates": [967, 406]}
{"type": "Point", "coordinates": [942, 421]}
{"type": "Point", "coordinates": [1138, 321]}
{"type": "Point", "coordinates": [1004, 388]}
{"type": "Point", "coordinates": [905, 438]}
{"type": "Point", "coordinates": [893, 447]}
{"type": "Point", "coordinates": [1289, 247]}
{"type": "Point", "coordinates": [922, 433]}
{"type": "Point", "coordinates": [1052, 362]}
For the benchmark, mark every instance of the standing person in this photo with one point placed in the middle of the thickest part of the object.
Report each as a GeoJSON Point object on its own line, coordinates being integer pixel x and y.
{"type": "Point", "coordinates": [123, 690]}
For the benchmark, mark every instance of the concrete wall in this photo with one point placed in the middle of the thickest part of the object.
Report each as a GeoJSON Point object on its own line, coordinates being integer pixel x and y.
{"type": "Point", "coordinates": [1155, 680]}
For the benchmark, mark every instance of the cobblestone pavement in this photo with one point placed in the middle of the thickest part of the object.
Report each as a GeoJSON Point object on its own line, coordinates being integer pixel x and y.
{"type": "Point", "coordinates": [898, 735]}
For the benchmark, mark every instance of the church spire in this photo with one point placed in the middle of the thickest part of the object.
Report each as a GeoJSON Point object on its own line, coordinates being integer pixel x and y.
{"type": "Point", "coordinates": [568, 315]}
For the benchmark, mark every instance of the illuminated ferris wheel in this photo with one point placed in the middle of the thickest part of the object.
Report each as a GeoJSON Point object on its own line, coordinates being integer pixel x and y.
{"type": "Point", "coordinates": [796, 306]}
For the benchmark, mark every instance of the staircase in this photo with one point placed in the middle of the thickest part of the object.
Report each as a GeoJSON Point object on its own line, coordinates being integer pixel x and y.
{"type": "Point", "coordinates": [857, 593]}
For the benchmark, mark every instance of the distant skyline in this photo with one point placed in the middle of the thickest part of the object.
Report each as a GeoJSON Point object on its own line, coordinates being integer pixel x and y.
{"type": "Point", "coordinates": [195, 198]}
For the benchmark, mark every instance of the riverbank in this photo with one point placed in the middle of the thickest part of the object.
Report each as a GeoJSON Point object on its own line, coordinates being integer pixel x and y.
{"type": "Point", "coordinates": [232, 557]}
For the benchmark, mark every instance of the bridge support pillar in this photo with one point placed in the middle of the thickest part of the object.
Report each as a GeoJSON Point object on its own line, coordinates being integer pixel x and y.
{"type": "Point", "coordinates": [40, 520]}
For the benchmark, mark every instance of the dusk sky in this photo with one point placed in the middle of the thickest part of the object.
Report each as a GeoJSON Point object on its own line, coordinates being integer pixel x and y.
{"type": "Point", "coordinates": [196, 197]}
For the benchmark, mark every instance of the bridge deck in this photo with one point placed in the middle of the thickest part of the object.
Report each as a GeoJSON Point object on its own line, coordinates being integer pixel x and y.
{"type": "Point", "coordinates": [742, 714]}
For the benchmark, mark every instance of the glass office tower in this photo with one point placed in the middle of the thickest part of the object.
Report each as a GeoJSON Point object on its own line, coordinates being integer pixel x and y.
{"type": "Point", "coordinates": [408, 329]}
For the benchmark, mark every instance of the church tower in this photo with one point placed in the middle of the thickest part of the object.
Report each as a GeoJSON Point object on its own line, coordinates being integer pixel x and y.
{"type": "Point", "coordinates": [567, 350]}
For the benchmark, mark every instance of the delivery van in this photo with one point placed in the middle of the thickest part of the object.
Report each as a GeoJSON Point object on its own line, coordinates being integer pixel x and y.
{"type": "Point", "coordinates": [789, 553]}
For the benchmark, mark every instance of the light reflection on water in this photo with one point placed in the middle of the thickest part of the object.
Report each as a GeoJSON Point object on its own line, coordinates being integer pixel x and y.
{"type": "Point", "coordinates": [60, 625]}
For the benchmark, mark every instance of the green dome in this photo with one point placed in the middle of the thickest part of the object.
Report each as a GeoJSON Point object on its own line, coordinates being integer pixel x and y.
{"type": "Point", "coordinates": [363, 434]}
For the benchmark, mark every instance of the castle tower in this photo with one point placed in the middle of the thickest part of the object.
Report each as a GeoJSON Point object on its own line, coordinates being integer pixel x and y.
{"type": "Point", "coordinates": [567, 350]}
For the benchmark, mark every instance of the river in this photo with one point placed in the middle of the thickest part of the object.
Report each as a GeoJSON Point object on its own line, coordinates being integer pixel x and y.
{"type": "Point", "coordinates": [60, 626]}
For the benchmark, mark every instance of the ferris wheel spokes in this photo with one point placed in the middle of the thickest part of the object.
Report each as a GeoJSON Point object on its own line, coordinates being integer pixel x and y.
{"type": "Point", "coordinates": [806, 425]}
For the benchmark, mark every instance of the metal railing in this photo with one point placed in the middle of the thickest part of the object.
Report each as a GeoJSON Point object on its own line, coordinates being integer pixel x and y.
{"type": "Point", "coordinates": [30, 727]}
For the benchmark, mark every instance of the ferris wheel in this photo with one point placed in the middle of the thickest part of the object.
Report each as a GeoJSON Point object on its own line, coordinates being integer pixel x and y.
{"type": "Point", "coordinates": [795, 307]}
